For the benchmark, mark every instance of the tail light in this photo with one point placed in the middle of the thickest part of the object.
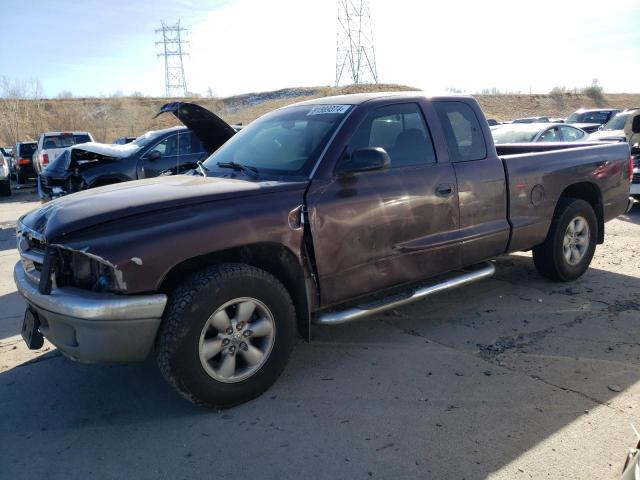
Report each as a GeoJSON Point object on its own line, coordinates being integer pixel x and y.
{"type": "Point", "coordinates": [45, 159]}
{"type": "Point", "coordinates": [24, 161]}
{"type": "Point", "coordinates": [631, 169]}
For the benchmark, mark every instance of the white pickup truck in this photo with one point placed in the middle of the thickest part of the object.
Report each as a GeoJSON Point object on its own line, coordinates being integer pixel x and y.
{"type": "Point", "coordinates": [52, 144]}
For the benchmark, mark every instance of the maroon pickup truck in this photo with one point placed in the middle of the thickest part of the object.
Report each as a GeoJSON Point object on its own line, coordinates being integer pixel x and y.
{"type": "Point", "coordinates": [322, 212]}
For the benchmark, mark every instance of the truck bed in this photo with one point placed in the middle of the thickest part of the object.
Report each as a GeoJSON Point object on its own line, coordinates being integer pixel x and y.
{"type": "Point", "coordinates": [538, 174]}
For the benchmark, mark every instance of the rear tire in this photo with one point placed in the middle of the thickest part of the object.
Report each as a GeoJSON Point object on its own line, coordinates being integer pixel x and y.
{"type": "Point", "coordinates": [571, 242]}
{"type": "Point", "coordinates": [226, 335]}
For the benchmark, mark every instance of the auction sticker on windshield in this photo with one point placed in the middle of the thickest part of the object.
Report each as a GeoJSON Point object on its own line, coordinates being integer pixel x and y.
{"type": "Point", "coordinates": [328, 109]}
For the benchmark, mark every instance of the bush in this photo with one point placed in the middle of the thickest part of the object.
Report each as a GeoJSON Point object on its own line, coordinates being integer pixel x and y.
{"type": "Point", "coordinates": [595, 93]}
{"type": "Point", "coordinates": [558, 91]}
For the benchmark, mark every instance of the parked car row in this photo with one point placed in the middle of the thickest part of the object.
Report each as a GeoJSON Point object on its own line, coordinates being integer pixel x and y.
{"type": "Point", "coordinates": [29, 158]}
{"type": "Point", "coordinates": [588, 120]}
{"type": "Point", "coordinates": [66, 162]}
{"type": "Point", "coordinates": [161, 152]}
{"type": "Point", "coordinates": [581, 125]}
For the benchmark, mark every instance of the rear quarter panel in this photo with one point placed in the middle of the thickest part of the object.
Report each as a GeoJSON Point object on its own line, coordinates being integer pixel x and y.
{"type": "Point", "coordinates": [537, 180]}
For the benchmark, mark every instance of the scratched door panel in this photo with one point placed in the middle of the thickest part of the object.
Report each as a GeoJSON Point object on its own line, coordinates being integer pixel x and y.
{"type": "Point", "coordinates": [380, 229]}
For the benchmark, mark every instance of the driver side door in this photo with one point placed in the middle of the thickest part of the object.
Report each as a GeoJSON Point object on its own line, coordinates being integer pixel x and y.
{"type": "Point", "coordinates": [178, 152]}
{"type": "Point", "coordinates": [378, 229]}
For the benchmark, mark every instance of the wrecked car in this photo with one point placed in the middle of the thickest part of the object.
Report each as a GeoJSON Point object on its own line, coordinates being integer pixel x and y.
{"type": "Point", "coordinates": [322, 212]}
{"type": "Point", "coordinates": [172, 150]}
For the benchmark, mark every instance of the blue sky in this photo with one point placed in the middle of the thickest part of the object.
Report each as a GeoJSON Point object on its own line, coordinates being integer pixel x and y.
{"type": "Point", "coordinates": [92, 47]}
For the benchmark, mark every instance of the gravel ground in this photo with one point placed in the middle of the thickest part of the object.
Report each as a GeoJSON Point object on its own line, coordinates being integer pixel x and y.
{"type": "Point", "coordinates": [513, 377]}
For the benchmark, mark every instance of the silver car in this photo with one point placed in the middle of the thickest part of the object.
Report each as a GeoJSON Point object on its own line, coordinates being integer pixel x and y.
{"type": "Point", "coordinates": [536, 132]}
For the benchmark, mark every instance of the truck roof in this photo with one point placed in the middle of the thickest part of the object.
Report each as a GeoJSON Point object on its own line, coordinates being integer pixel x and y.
{"type": "Point", "coordinates": [587, 110]}
{"type": "Point", "coordinates": [65, 132]}
{"type": "Point", "coordinates": [358, 98]}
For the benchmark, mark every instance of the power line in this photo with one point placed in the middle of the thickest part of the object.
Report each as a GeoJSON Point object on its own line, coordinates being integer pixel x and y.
{"type": "Point", "coordinates": [355, 54]}
{"type": "Point", "coordinates": [174, 79]}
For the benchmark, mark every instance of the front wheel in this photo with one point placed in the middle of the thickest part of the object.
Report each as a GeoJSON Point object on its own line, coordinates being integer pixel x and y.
{"type": "Point", "coordinates": [571, 242]}
{"type": "Point", "coordinates": [226, 335]}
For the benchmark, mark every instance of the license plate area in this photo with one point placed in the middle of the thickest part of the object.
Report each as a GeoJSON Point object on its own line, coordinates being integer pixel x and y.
{"type": "Point", "coordinates": [30, 330]}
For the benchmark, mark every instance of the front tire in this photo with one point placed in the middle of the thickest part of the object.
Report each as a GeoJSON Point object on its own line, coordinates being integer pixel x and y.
{"type": "Point", "coordinates": [226, 335]}
{"type": "Point", "coordinates": [571, 242]}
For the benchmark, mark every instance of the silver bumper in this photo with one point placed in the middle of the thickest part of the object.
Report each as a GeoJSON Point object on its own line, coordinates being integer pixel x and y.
{"type": "Point", "coordinates": [94, 327]}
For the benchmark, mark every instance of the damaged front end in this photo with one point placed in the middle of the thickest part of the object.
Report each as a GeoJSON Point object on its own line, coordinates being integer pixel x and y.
{"type": "Point", "coordinates": [75, 300]}
{"type": "Point", "coordinates": [65, 174]}
{"type": "Point", "coordinates": [54, 266]}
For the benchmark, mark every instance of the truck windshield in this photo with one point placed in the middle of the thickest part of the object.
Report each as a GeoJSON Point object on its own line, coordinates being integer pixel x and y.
{"type": "Point", "coordinates": [285, 142]}
{"type": "Point", "coordinates": [617, 122]}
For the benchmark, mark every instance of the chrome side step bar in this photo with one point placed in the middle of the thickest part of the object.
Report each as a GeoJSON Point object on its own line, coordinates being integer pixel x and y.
{"type": "Point", "coordinates": [477, 272]}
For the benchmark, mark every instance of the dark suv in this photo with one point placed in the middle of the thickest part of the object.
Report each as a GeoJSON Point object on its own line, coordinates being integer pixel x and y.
{"type": "Point", "coordinates": [591, 120]}
{"type": "Point", "coordinates": [170, 151]}
{"type": "Point", "coordinates": [23, 161]}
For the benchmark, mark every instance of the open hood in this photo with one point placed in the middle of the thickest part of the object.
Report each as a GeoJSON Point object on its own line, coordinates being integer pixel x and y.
{"type": "Point", "coordinates": [208, 127]}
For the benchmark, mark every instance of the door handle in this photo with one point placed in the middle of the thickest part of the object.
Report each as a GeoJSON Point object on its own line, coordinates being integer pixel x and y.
{"type": "Point", "coordinates": [444, 189]}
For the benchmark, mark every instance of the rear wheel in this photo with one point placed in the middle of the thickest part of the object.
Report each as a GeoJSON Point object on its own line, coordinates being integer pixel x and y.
{"type": "Point", "coordinates": [226, 336]}
{"type": "Point", "coordinates": [571, 242]}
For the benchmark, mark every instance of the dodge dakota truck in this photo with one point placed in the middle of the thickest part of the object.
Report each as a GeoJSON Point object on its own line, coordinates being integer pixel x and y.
{"type": "Point", "coordinates": [318, 213]}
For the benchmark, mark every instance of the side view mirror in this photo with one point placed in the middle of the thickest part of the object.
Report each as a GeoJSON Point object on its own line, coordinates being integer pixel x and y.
{"type": "Point", "coordinates": [366, 160]}
{"type": "Point", "coordinates": [635, 126]}
{"type": "Point", "coordinates": [153, 156]}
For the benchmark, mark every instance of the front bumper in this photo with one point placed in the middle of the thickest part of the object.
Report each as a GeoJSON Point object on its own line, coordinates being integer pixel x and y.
{"type": "Point", "coordinates": [94, 327]}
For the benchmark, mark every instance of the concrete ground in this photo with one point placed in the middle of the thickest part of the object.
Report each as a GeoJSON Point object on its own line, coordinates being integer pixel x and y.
{"type": "Point", "coordinates": [514, 377]}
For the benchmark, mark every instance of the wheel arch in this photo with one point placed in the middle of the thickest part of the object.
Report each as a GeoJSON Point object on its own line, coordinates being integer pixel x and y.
{"type": "Point", "coordinates": [590, 193]}
{"type": "Point", "coordinates": [273, 258]}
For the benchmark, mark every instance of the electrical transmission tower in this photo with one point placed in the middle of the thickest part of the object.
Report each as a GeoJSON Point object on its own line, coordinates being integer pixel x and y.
{"type": "Point", "coordinates": [174, 79]}
{"type": "Point", "coordinates": [355, 55]}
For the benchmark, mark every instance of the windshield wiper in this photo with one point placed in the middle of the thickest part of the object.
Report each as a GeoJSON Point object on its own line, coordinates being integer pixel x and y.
{"type": "Point", "coordinates": [202, 169]}
{"type": "Point", "coordinates": [252, 171]}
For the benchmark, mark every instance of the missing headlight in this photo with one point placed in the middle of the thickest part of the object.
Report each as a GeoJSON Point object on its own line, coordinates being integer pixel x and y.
{"type": "Point", "coordinates": [83, 271]}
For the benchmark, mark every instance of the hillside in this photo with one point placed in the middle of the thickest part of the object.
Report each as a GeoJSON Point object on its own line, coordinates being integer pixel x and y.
{"type": "Point", "coordinates": [109, 118]}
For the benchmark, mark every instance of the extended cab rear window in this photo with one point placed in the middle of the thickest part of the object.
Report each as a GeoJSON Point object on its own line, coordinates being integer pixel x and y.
{"type": "Point", "coordinates": [464, 137]}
